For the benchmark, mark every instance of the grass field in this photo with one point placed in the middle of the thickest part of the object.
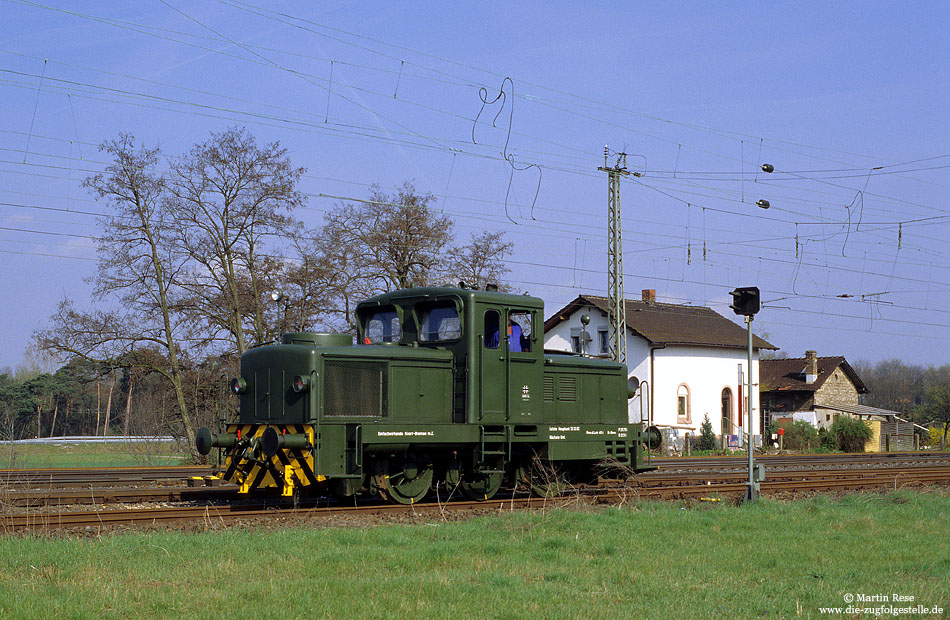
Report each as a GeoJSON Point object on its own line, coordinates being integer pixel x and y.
{"type": "Point", "coordinates": [651, 560]}
{"type": "Point", "coordinates": [33, 456]}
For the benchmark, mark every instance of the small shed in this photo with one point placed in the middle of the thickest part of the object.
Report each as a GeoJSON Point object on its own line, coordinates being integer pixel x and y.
{"type": "Point", "coordinates": [891, 432]}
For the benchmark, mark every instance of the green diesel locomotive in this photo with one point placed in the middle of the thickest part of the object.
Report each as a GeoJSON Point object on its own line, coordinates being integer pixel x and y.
{"type": "Point", "coordinates": [445, 386]}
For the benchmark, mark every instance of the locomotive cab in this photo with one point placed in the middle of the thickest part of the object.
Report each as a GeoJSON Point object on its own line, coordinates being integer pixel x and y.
{"type": "Point", "coordinates": [493, 338]}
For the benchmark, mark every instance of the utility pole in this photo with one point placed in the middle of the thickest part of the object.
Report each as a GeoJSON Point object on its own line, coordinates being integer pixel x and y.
{"type": "Point", "coordinates": [616, 313]}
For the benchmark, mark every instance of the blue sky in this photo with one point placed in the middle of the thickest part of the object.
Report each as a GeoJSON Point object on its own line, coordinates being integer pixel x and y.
{"type": "Point", "coordinates": [846, 100]}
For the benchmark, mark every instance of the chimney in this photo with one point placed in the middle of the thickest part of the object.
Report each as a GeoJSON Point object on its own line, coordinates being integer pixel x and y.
{"type": "Point", "coordinates": [811, 366]}
{"type": "Point", "coordinates": [649, 295]}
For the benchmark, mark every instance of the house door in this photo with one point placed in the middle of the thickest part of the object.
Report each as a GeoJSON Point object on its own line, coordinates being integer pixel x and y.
{"type": "Point", "coordinates": [728, 417]}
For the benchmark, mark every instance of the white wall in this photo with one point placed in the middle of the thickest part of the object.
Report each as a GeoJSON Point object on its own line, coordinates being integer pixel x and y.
{"type": "Point", "coordinates": [705, 370]}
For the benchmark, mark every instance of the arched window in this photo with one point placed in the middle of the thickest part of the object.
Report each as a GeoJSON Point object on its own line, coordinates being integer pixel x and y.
{"type": "Point", "coordinates": [682, 403]}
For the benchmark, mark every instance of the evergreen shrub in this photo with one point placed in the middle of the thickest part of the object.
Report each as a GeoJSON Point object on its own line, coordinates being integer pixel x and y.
{"type": "Point", "coordinates": [707, 439]}
{"type": "Point", "coordinates": [851, 433]}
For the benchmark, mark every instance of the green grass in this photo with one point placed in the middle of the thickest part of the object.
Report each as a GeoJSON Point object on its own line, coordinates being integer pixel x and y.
{"type": "Point", "coordinates": [769, 560]}
{"type": "Point", "coordinates": [40, 456]}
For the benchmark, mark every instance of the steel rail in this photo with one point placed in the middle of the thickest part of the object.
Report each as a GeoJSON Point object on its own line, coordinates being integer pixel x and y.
{"type": "Point", "coordinates": [211, 515]}
{"type": "Point", "coordinates": [879, 458]}
{"type": "Point", "coordinates": [84, 476]}
{"type": "Point", "coordinates": [130, 495]}
{"type": "Point", "coordinates": [114, 495]}
{"type": "Point", "coordinates": [214, 515]}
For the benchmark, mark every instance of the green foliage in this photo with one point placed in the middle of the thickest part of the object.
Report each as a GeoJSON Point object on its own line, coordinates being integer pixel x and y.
{"type": "Point", "coordinates": [801, 436]}
{"type": "Point", "coordinates": [851, 433]}
{"type": "Point", "coordinates": [936, 436]}
{"type": "Point", "coordinates": [827, 440]}
{"type": "Point", "coordinates": [707, 439]}
{"type": "Point", "coordinates": [936, 409]}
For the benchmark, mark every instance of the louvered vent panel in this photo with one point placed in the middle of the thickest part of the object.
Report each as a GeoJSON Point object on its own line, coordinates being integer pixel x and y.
{"type": "Point", "coordinates": [567, 389]}
{"type": "Point", "coordinates": [549, 389]}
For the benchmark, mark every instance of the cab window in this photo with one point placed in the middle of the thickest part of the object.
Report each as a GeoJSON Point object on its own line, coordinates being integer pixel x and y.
{"type": "Point", "coordinates": [382, 326]}
{"type": "Point", "coordinates": [492, 329]}
{"type": "Point", "coordinates": [519, 332]}
{"type": "Point", "coordinates": [439, 324]}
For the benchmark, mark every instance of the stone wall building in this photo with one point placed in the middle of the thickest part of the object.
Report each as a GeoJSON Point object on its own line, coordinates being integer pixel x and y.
{"type": "Point", "coordinates": [816, 389]}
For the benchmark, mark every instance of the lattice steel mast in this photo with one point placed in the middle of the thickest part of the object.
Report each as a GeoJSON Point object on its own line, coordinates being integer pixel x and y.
{"type": "Point", "coordinates": [616, 315]}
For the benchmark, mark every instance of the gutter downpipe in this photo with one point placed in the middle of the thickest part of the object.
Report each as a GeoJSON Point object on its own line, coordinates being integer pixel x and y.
{"type": "Point", "coordinates": [653, 348]}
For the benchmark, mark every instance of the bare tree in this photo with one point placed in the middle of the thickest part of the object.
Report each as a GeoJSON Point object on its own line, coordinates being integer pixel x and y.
{"type": "Point", "coordinates": [397, 240]}
{"type": "Point", "coordinates": [229, 196]}
{"type": "Point", "coordinates": [482, 261]}
{"type": "Point", "coordinates": [348, 276]}
{"type": "Point", "coordinates": [310, 303]}
{"type": "Point", "coordinates": [137, 266]}
{"type": "Point", "coordinates": [381, 244]}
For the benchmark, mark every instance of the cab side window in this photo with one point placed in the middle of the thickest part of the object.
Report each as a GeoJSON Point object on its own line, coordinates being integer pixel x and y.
{"type": "Point", "coordinates": [492, 329]}
{"type": "Point", "coordinates": [519, 331]}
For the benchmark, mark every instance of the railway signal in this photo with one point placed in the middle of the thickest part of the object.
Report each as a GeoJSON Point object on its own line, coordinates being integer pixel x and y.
{"type": "Point", "coordinates": [745, 301]}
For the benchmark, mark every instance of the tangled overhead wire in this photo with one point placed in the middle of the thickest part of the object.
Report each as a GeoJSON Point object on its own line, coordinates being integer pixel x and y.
{"type": "Point", "coordinates": [509, 157]}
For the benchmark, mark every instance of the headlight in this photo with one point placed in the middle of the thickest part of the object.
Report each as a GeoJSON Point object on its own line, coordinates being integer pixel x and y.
{"type": "Point", "coordinates": [301, 384]}
{"type": "Point", "coordinates": [238, 385]}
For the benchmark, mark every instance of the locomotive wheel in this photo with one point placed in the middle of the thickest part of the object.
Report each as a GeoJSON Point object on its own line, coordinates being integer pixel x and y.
{"type": "Point", "coordinates": [402, 480]}
{"type": "Point", "coordinates": [479, 487]}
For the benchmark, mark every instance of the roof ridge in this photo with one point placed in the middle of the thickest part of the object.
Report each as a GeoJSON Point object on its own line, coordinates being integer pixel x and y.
{"type": "Point", "coordinates": [795, 359]}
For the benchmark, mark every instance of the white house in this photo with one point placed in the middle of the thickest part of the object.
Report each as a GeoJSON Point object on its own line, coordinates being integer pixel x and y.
{"type": "Point", "coordinates": [687, 361]}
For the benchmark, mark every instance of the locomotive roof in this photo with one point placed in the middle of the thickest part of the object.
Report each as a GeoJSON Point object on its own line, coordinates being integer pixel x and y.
{"type": "Point", "coordinates": [468, 295]}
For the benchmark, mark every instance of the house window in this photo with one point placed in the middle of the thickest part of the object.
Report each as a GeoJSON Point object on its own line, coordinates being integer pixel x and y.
{"type": "Point", "coordinates": [579, 340]}
{"type": "Point", "coordinates": [682, 403]}
{"type": "Point", "coordinates": [602, 338]}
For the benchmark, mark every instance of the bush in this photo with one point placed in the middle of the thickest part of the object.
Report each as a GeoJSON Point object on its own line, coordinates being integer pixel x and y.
{"type": "Point", "coordinates": [801, 435]}
{"type": "Point", "coordinates": [851, 433]}
{"type": "Point", "coordinates": [934, 437]}
{"type": "Point", "coordinates": [827, 439]}
{"type": "Point", "coordinates": [707, 439]}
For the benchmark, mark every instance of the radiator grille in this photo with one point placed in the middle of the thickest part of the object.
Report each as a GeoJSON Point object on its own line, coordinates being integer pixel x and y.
{"type": "Point", "coordinates": [355, 389]}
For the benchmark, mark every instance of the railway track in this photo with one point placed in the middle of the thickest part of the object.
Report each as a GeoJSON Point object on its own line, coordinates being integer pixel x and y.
{"type": "Point", "coordinates": [35, 498]}
{"type": "Point", "coordinates": [676, 485]}
{"type": "Point", "coordinates": [114, 476]}
{"type": "Point", "coordinates": [88, 476]}
{"type": "Point", "coordinates": [882, 459]}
